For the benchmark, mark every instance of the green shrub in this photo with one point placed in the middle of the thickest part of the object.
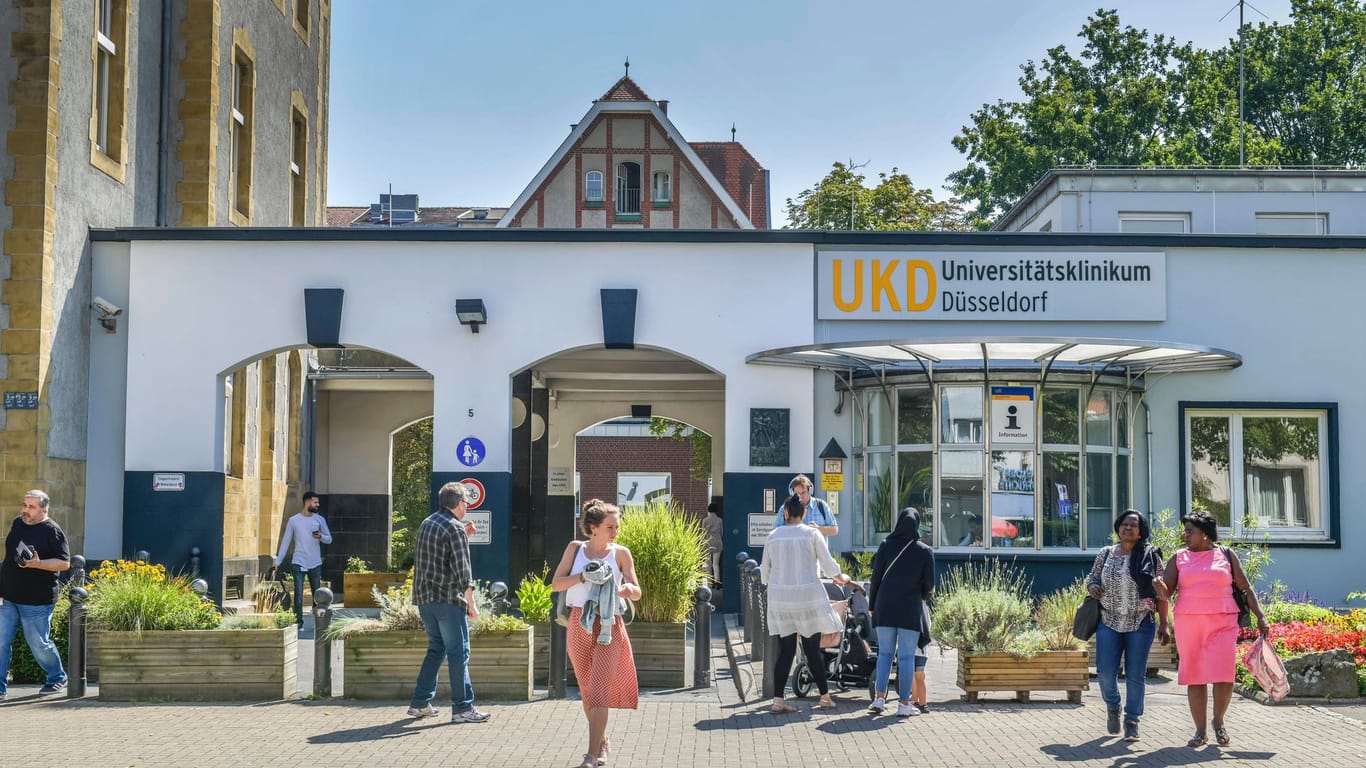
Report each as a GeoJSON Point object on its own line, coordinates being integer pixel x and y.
{"type": "Point", "coordinates": [490, 624]}
{"type": "Point", "coordinates": [138, 597]}
{"type": "Point", "coordinates": [670, 552]}
{"type": "Point", "coordinates": [983, 608]}
{"type": "Point", "coordinates": [277, 620]}
{"type": "Point", "coordinates": [533, 596]}
{"type": "Point", "coordinates": [1055, 613]}
{"type": "Point", "coordinates": [860, 564]}
{"type": "Point", "coordinates": [1278, 612]}
{"type": "Point", "coordinates": [356, 565]}
{"type": "Point", "coordinates": [23, 667]}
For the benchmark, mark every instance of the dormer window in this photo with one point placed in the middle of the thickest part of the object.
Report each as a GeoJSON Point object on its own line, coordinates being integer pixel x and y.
{"type": "Point", "coordinates": [660, 190]}
{"type": "Point", "coordinates": [592, 187]}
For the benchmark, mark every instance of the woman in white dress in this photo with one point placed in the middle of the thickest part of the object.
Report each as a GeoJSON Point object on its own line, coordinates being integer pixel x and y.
{"type": "Point", "coordinates": [795, 556]}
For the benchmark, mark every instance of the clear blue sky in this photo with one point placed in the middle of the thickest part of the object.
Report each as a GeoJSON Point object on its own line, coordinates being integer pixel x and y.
{"type": "Point", "coordinates": [464, 102]}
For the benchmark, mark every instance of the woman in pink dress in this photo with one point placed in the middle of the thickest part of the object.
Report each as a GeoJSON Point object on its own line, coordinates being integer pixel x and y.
{"type": "Point", "coordinates": [1206, 619]}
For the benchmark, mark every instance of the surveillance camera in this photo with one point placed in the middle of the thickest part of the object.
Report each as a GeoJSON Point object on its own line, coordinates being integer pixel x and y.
{"type": "Point", "coordinates": [107, 308]}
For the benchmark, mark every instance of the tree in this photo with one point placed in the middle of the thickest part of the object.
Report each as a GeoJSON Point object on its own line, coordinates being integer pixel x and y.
{"type": "Point", "coordinates": [412, 488]}
{"type": "Point", "coordinates": [700, 442]}
{"type": "Point", "coordinates": [842, 201]}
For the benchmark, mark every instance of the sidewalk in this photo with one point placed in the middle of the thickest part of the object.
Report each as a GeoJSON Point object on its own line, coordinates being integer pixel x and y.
{"type": "Point", "coordinates": [710, 727]}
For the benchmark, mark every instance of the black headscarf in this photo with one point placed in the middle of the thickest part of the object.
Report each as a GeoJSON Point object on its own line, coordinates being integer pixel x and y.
{"type": "Point", "coordinates": [907, 526]}
{"type": "Point", "coordinates": [1144, 557]}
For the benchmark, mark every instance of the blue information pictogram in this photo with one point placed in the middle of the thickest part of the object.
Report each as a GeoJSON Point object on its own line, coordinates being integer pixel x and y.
{"type": "Point", "coordinates": [470, 452]}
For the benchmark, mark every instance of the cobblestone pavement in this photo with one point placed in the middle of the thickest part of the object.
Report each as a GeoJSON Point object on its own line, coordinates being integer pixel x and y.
{"type": "Point", "coordinates": [683, 728]}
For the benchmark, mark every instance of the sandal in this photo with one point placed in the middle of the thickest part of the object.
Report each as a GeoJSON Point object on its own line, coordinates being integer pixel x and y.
{"type": "Point", "coordinates": [589, 762]}
{"type": "Point", "coordinates": [605, 751]}
{"type": "Point", "coordinates": [1221, 736]}
{"type": "Point", "coordinates": [1198, 740]}
{"type": "Point", "coordinates": [782, 709]}
{"type": "Point", "coordinates": [826, 703]}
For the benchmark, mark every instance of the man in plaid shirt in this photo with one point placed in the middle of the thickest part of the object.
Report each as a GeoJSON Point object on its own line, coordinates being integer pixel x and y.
{"type": "Point", "coordinates": [443, 591]}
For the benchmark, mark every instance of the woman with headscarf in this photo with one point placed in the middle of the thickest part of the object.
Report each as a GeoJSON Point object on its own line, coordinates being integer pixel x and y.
{"type": "Point", "coordinates": [1122, 579]}
{"type": "Point", "coordinates": [1207, 620]}
{"type": "Point", "coordinates": [903, 577]}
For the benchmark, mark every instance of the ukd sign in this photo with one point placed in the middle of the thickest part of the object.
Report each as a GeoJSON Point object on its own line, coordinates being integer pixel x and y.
{"type": "Point", "coordinates": [978, 285]}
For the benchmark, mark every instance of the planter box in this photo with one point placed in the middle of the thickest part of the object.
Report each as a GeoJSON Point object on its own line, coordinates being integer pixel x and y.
{"type": "Point", "coordinates": [664, 657]}
{"type": "Point", "coordinates": [384, 665]}
{"type": "Point", "coordinates": [542, 657]}
{"type": "Point", "coordinates": [1046, 671]}
{"type": "Point", "coordinates": [356, 587]}
{"type": "Point", "coordinates": [1159, 656]}
{"type": "Point", "coordinates": [199, 665]}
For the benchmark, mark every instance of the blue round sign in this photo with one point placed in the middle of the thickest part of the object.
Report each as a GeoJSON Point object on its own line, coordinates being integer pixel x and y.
{"type": "Point", "coordinates": [470, 452]}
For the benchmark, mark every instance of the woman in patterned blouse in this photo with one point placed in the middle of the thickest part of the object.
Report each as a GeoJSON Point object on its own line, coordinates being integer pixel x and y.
{"type": "Point", "coordinates": [1123, 580]}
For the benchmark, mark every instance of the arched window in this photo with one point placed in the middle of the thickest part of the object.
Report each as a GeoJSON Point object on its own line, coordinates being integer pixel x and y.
{"type": "Point", "coordinates": [660, 190]}
{"type": "Point", "coordinates": [592, 186]}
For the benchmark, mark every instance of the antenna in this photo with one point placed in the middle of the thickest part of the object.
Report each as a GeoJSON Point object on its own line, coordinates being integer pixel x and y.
{"type": "Point", "coordinates": [1242, 126]}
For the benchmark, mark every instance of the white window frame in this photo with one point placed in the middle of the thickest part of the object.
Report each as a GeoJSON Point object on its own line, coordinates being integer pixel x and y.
{"type": "Point", "coordinates": [589, 179]}
{"type": "Point", "coordinates": [107, 51]}
{"type": "Point", "coordinates": [661, 187]}
{"type": "Point", "coordinates": [1321, 218]}
{"type": "Point", "coordinates": [1238, 480]}
{"type": "Point", "coordinates": [1184, 218]}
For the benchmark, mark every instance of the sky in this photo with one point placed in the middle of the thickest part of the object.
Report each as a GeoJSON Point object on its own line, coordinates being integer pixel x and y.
{"type": "Point", "coordinates": [463, 103]}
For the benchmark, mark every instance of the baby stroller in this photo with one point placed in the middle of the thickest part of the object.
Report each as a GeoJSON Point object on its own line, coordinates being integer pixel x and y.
{"type": "Point", "coordinates": [849, 656]}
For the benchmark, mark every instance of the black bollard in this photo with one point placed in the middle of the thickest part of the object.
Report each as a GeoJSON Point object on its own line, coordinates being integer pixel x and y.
{"type": "Point", "coordinates": [141, 556]}
{"type": "Point", "coordinates": [75, 648]}
{"type": "Point", "coordinates": [702, 638]}
{"type": "Point", "coordinates": [498, 595]}
{"type": "Point", "coordinates": [747, 576]}
{"type": "Point", "coordinates": [740, 583]}
{"type": "Point", "coordinates": [194, 562]}
{"type": "Point", "coordinates": [322, 647]}
{"type": "Point", "coordinates": [76, 574]}
{"type": "Point", "coordinates": [559, 659]}
{"type": "Point", "coordinates": [758, 606]}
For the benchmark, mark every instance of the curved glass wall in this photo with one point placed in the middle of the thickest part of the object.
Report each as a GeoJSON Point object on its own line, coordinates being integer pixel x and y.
{"type": "Point", "coordinates": [998, 467]}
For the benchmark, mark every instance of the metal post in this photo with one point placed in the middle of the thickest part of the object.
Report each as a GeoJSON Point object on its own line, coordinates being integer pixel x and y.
{"type": "Point", "coordinates": [702, 638]}
{"type": "Point", "coordinates": [738, 584]}
{"type": "Point", "coordinates": [559, 646]}
{"type": "Point", "coordinates": [194, 562]}
{"type": "Point", "coordinates": [77, 571]}
{"type": "Point", "coordinates": [201, 588]}
{"type": "Point", "coordinates": [75, 634]}
{"type": "Point", "coordinates": [498, 594]}
{"type": "Point", "coordinates": [749, 574]}
{"type": "Point", "coordinates": [141, 555]}
{"type": "Point", "coordinates": [322, 647]}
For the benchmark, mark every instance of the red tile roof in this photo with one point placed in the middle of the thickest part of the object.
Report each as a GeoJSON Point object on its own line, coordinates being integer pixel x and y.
{"type": "Point", "coordinates": [625, 90]}
{"type": "Point", "coordinates": [342, 216]}
{"type": "Point", "coordinates": [740, 174]}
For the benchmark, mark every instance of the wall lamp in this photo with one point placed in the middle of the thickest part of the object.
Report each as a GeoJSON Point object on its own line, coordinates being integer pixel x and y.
{"type": "Point", "coordinates": [471, 312]}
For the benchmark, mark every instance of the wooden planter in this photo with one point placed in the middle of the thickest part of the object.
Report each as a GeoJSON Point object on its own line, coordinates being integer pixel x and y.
{"type": "Point", "coordinates": [664, 657]}
{"type": "Point", "coordinates": [1159, 656]}
{"type": "Point", "coordinates": [199, 665]}
{"type": "Point", "coordinates": [1046, 671]}
{"type": "Point", "coordinates": [356, 587]}
{"type": "Point", "coordinates": [384, 665]}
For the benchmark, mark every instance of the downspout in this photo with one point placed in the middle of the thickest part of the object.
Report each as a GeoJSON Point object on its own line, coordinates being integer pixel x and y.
{"type": "Point", "coordinates": [768, 200]}
{"type": "Point", "coordinates": [164, 119]}
{"type": "Point", "coordinates": [1148, 451]}
{"type": "Point", "coordinates": [311, 430]}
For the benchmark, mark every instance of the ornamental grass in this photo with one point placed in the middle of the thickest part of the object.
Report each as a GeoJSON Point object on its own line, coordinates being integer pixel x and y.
{"type": "Point", "coordinates": [670, 552]}
{"type": "Point", "coordinates": [983, 607]}
{"type": "Point", "coordinates": [128, 596]}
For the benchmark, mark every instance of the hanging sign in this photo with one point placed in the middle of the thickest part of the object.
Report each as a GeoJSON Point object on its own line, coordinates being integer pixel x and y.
{"type": "Point", "coordinates": [1012, 415]}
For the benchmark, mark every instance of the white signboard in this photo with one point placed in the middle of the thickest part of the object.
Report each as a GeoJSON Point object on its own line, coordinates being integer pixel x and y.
{"type": "Point", "coordinates": [1012, 415]}
{"type": "Point", "coordinates": [561, 481]}
{"type": "Point", "coordinates": [483, 527]}
{"type": "Point", "coordinates": [991, 285]}
{"type": "Point", "coordinates": [168, 481]}
{"type": "Point", "coordinates": [759, 527]}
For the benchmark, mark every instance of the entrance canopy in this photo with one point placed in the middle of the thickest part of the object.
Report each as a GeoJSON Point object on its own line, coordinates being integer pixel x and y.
{"type": "Point", "coordinates": [928, 356]}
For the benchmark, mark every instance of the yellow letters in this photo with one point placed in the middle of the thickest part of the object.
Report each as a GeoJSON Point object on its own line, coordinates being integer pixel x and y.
{"type": "Point", "coordinates": [913, 266]}
{"type": "Point", "coordinates": [882, 283]}
{"type": "Point", "coordinates": [849, 306]}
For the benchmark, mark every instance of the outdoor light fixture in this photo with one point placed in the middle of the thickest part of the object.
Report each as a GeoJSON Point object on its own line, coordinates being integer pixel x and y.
{"type": "Point", "coordinates": [471, 312]}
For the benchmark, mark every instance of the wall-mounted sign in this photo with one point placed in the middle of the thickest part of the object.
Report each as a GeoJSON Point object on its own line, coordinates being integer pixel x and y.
{"type": "Point", "coordinates": [770, 501]}
{"type": "Point", "coordinates": [478, 490]}
{"type": "Point", "coordinates": [470, 452]}
{"type": "Point", "coordinates": [1012, 415]}
{"type": "Point", "coordinates": [168, 481]}
{"type": "Point", "coordinates": [483, 527]}
{"type": "Point", "coordinates": [832, 500]}
{"type": "Point", "coordinates": [976, 285]}
{"type": "Point", "coordinates": [832, 466]}
{"type": "Point", "coordinates": [560, 481]}
{"type": "Point", "coordinates": [832, 482]}
{"type": "Point", "coordinates": [25, 401]}
{"type": "Point", "coordinates": [759, 527]}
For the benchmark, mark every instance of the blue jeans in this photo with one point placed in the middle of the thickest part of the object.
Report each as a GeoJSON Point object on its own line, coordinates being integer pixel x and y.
{"type": "Point", "coordinates": [899, 642]}
{"type": "Point", "coordinates": [37, 623]}
{"type": "Point", "coordinates": [448, 636]}
{"type": "Point", "coordinates": [315, 576]}
{"type": "Point", "coordinates": [1134, 647]}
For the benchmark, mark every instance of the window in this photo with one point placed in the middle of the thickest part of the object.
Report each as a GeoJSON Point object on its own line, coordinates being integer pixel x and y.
{"type": "Point", "coordinates": [639, 488]}
{"type": "Point", "coordinates": [1292, 223]}
{"type": "Point", "coordinates": [298, 155]}
{"type": "Point", "coordinates": [659, 190]}
{"type": "Point", "coordinates": [109, 86]}
{"type": "Point", "coordinates": [243, 92]}
{"type": "Point", "coordinates": [1264, 468]}
{"type": "Point", "coordinates": [628, 188]}
{"type": "Point", "coordinates": [301, 17]}
{"type": "Point", "coordinates": [592, 187]}
{"type": "Point", "coordinates": [1149, 223]}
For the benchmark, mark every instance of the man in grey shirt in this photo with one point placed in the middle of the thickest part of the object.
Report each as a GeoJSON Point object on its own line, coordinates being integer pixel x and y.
{"type": "Point", "coordinates": [307, 531]}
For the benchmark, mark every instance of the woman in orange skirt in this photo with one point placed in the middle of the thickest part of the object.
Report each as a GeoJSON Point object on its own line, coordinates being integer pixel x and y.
{"type": "Point", "coordinates": [1206, 619]}
{"type": "Point", "coordinates": [606, 671]}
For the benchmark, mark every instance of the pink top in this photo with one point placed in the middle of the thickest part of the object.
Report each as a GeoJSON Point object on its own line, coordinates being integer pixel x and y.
{"type": "Point", "coordinates": [1204, 582]}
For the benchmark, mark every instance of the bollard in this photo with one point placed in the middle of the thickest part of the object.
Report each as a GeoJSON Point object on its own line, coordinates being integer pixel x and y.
{"type": "Point", "coordinates": [748, 572]}
{"type": "Point", "coordinates": [757, 649]}
{"type": "Point", "coordinates": [322, 647]}
{"type": "Point", "coordinates": [702, 638]}
{"type": "Point", "coordinates": [75, 649]}
{"type": "Point", "coordinates": [498, 595]}
{"type": "Point", "coordinates": [76, 574]}
{"type": "Point", "coordinates": [559, 647]}
{"type": "Point", "coordinates": [200, 588]}
{"type": "Point", "coordinates": [740, 584]}
{"type": "Point", "coordinates": [141, 555]}
{"type": "Point", "coordinates": [194, 562]}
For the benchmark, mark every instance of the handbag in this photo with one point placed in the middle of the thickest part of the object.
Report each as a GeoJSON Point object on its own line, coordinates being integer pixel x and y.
{"type": "Point", "coordinates": [1086, 620]}
{"type": "Point", "coordinates": [1244, 612]}
{"type": "Point", "coordinates": [561, 612]}
{"type": "Point", "coordinates": [1267, 669]}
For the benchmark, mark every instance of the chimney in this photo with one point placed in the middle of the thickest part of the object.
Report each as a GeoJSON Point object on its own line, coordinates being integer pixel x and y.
{"type": "Point", "coordinates": [663, 105]}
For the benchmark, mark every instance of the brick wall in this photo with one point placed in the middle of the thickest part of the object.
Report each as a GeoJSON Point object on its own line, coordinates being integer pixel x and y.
{"type": "Point", "coordinates": [599, 459]}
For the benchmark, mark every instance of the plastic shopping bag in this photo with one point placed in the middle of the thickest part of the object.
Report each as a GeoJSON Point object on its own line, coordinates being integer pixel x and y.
{"type": "Point", "coordinates": [1261, 660]}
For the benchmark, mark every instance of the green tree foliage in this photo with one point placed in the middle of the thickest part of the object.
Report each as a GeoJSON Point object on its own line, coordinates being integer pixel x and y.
{"type": "Point", "coordinates": [1134, 99]}
{"type": "Point", "coordinates": [700, 442]}
{"type": "Point", "coordinates": [842, 200]}
{"type": "Point", "coordinates": [411, 483]}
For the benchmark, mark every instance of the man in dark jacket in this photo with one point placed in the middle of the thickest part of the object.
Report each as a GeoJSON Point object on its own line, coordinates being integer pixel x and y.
{"type": "Point", "coordinates": [903, 577]}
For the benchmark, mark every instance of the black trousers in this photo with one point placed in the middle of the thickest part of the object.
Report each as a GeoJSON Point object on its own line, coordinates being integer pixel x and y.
{"type": "Point", "coordinates": [787, 652]}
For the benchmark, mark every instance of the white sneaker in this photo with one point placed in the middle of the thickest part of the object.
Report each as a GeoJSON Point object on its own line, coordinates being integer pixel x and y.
{"type": "Point", "coordinates": [427, 711]}
{"type": "Point", "coordinates": [878, 705]}
{"type": "Point", "coordinates": [906, 710]}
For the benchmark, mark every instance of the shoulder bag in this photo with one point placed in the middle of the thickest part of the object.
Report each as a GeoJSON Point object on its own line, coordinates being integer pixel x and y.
{"type": "Point", "coordinates": [1087, 617]}
{"type": "Point", "coordinates": [1244, 612]}
{"type": "Point", "coordinates": [560, 613]}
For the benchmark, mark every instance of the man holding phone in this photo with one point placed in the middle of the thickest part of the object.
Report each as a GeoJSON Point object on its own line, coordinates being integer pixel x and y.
{"type": "Point", "coordinates": [306, 531]}
{"type": "Point", "coordinates": [35, 552]}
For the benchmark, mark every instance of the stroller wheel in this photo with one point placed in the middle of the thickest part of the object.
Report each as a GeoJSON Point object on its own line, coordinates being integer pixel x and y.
{"type": "Point", "coordinates": [802, 682]}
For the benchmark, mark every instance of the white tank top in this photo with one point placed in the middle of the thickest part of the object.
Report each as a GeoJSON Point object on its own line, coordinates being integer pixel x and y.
{"type": "Point", "coordinates": [577, 595]}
